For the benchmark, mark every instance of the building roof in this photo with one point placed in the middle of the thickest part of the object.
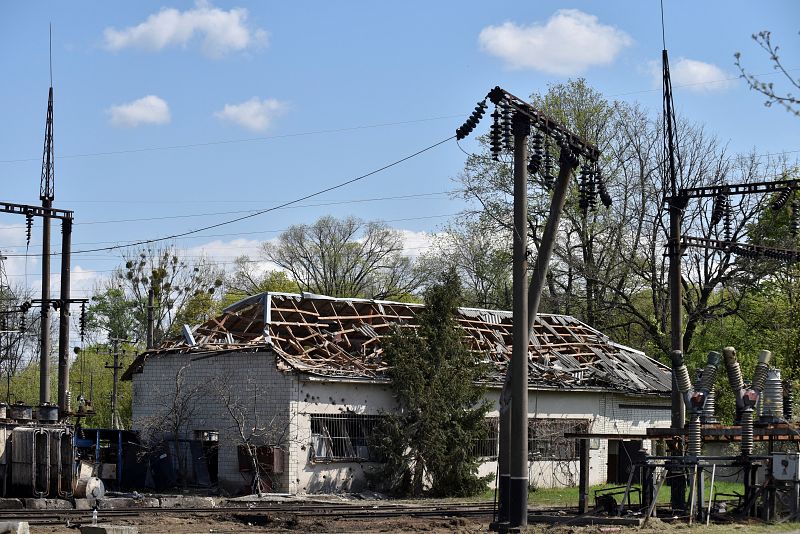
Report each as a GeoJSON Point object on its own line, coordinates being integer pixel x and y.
{"type": "Point", "coordinates": [341, 337]}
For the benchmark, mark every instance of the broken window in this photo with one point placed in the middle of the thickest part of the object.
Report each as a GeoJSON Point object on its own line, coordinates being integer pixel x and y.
{"type": "Point", "coordinates": [487, 446]}
{"type": "Point", "coordinates": [342, 437]}
{"type": "Point", "coordinates": [546, 439]}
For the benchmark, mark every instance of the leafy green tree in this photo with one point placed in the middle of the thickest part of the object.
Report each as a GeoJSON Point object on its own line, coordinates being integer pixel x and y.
{"type": "Point", "coordinates": [429, 440]}
{"type": "Point", "coordinates": [92, 380]}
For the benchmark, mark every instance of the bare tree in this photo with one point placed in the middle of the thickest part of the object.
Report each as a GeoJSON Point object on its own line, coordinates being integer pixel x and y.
{"type": "Point", "coordinates": [481, 255]}
{"type": "Point", "coordinates": [171, 421]}
{"type": "Point", "coordinates": [774, 96]}
{"type": "Point", "coordinates": [256, 426]}
{"type": "Point", "coordinates": [345, 258]}
{"type": "Point", "coordinates": [183, 292]}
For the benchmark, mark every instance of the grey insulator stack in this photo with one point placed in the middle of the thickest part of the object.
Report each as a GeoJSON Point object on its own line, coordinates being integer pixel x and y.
{"type": "Point", "coordinates": [709, 375]}
{"type": "Point", "coordinates": [733, 368]}
{"type": "Point", "coordinates": [695, 445]}
{"type": "Point", "coordinates": [708, 415]}
{"type": "Point", "coordinates": [788, 400]}
{"type": "Point", "coordinates": [682, 377]}
{"type": "Point", "coordinates": [735, 379]}
{"type": "Point", "coordinates": [772, 398]}
{"type": "Point", "coordinates": [747, 432]}
{"type": "Point", "coordinates": [762, 368]}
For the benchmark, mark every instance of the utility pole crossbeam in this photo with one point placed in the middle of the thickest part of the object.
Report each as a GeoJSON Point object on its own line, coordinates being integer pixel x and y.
{"type": "Point", "coordinates": [47, 212]}
{"type": "Point", "coordinates": [35, 211]}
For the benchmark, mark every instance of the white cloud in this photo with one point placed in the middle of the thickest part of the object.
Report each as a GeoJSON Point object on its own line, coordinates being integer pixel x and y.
{"type": "Point", "coordinates": [147, 110]}
{"type": "Point", "coordinates": [253, 114]}
{"type": "Point", "coordinates": [222, 31]}
{"type": "Point", "coordinates": [568, 43]}
{"type": "Point", "coordinates": [416, 243]}
{"type": "Point", "coordinates": [226, 251]}
{"type": "Point", "coordinates": [693, 75]}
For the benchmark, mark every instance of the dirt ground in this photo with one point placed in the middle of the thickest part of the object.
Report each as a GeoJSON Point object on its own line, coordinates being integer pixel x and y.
{"type": "Point", "coordinates": [230, 523]}
{"type": "Point", "coordinates": [197, 524]}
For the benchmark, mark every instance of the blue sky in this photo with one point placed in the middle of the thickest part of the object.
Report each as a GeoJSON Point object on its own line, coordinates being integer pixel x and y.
{"type": "Point", "coordinates": [279, 99]}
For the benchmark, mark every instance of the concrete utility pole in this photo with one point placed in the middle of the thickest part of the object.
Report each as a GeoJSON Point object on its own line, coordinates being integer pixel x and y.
{"type": "Point", "coordinates": [46, 195]}
{"type": "Point", "coordinates": [63, 323]}
{"type": "Point", "coordinates": [150, 300]}
{"type": "Point", "coordinates": [518, 509]}
{"type": "Point", "coordinates": [676, 207]}
{"type": "Point", "coordinates": [517, 119]}
{"type": "Point", "coordinates": [115, 424]}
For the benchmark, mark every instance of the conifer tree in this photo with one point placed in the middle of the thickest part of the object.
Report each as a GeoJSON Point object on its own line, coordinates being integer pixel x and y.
{"type": "Point", "coordinates": [429, 440]}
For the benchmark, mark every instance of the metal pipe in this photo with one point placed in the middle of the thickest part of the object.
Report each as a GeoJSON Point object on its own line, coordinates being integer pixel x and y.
{"type": "Point", "coordinates": [63, 325]}
{"type": "Point", "coordinates": [518, 487]}
{"type": "Point", "coordinates": [675, 304]}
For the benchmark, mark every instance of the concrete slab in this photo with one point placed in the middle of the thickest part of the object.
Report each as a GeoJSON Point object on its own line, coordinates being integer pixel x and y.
{"type": "Point", "coordinates": [47, 504]}
{"type": "Point", "coordinates": [11, 504]}
{"type": "Point", "coordinates": [188, 502]}
{"type": "Point", "coordinates": [14, 527]}
{"type": "Point", "coordinates": [105, 528]}
{"type": "Point", "coordinates": [85, 504]}
{"type": "Point", "coordinates": [114, 503]}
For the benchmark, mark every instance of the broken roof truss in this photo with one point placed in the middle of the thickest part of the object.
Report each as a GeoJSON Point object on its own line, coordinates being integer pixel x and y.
{"type": "Point", "coordinates": [338, 337]}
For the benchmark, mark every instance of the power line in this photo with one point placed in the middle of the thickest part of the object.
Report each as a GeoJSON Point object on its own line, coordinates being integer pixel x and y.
{"type": "Point", "coordinates": [331, 130]}
{"type": "Point", "coordinates": [260, 212]}
{"type": "Point", "coordinates": [235, 212]}
{"type": "Point", "coordinates": [235, 141]}
{"type": "Point", "coordinates": [203, 236]}
{"type": "Point", "coordinates": [214, 263]}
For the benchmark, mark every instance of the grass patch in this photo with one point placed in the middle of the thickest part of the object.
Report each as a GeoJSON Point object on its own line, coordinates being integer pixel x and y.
{"type": "Point", "coordinates": [569, 496]}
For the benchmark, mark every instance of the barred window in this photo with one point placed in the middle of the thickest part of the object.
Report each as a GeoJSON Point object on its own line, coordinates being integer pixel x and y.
{"type": "Point", "coordinates": [342, 437]}
{"type": "Point", "coordinates": [546, 439]}
{"type": "Point", "coordinates": [487, 447]}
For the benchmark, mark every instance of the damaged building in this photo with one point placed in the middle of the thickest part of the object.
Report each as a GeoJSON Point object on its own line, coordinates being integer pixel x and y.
{"type": "Point", "coordinates": [300, 381]}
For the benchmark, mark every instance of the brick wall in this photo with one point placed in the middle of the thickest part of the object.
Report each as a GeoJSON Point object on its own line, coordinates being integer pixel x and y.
{"type": "Point", "coordinates": [288, 402]}
{"type": "Point", "coordinates": [241, 381]}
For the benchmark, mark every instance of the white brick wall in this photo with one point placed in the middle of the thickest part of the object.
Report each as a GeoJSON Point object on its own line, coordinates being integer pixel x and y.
{"type": "Point", "coordinates": [254, 383]}
{"type": "Point", "coordinates": [254, 379]}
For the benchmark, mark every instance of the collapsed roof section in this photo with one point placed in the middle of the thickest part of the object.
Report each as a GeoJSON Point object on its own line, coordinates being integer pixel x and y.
{"type": "Point", "coordinates": [340, 337]}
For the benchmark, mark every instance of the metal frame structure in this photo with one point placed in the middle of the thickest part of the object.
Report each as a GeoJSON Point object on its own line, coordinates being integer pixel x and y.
{"type": "Point", "coordinates": [66, 217]}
